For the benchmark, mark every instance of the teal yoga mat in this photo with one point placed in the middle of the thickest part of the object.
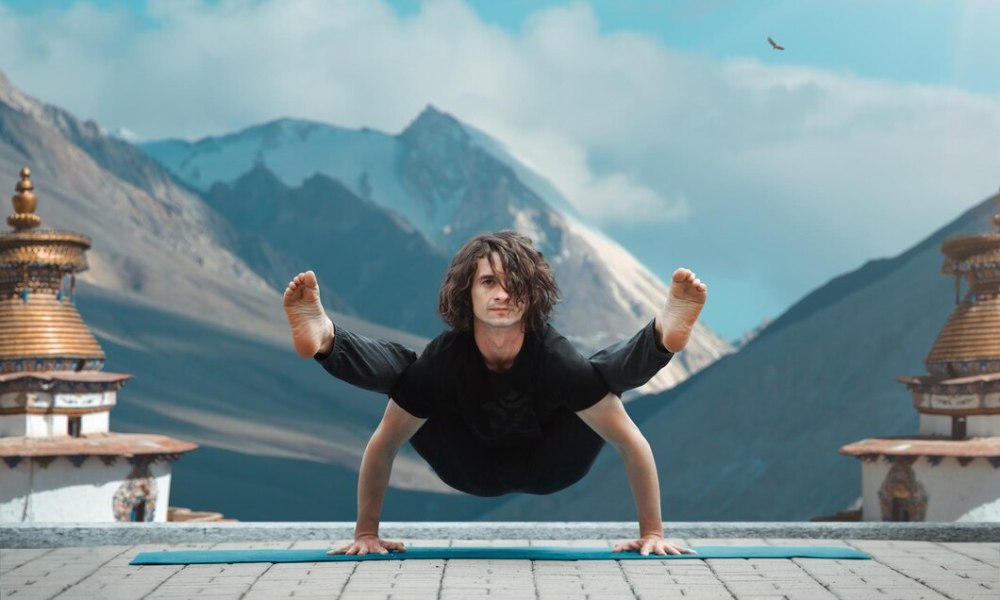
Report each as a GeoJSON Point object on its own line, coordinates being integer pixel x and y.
{"type": "Point", "coordinates": [190, 557]}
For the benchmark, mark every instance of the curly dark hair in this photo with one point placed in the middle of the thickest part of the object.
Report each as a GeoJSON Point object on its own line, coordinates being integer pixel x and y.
{"type": "Point", "coordinates": [528, 279]}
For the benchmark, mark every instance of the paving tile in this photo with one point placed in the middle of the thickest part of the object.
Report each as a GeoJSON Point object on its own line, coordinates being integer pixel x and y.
{"type": "Point", "coordinates": [11, 559]}
{"type": "Point", "coordinates": [911, 570]}
{"type": "Point", "coordinates": [255, 594]}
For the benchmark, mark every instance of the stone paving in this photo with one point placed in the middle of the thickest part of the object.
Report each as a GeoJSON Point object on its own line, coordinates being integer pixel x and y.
{"type": "Point", "coordinates": [904, 570]}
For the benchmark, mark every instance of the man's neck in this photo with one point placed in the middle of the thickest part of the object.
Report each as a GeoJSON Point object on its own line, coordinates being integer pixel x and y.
{"type": "Point", "coordinates": [498, 345]}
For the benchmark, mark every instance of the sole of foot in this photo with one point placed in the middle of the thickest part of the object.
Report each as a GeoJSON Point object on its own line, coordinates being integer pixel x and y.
{"type": "Point", "coordinates": [312, 329]}
{"type": "Point", "coordinates": [680, 312]}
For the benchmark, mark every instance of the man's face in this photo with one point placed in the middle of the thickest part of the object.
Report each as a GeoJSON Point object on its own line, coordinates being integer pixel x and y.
{"type": "Point", "coordinates": [491, 305]}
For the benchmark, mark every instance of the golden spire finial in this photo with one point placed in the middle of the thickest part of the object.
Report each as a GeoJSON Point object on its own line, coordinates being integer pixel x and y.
{"type": "Point", "coordinates": [24, 201]}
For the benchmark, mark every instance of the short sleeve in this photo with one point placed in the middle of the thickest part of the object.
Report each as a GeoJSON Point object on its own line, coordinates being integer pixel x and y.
{"type": "Point", "coordinates": [572, 382]}
{"type": "Point", "coordinates": [417, 391]}
{"type": "Point", "coordinates": [364, 362]}
{"type": "Point", "coordinates": [414, 392]}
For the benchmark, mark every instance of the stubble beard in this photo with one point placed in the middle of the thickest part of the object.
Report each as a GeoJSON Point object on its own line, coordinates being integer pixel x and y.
{"type": "Point", "coordinates": [509, 320]}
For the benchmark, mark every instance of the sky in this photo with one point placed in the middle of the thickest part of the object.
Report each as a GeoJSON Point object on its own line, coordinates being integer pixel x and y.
{"type": "Point", "coordinates": [673, 126]}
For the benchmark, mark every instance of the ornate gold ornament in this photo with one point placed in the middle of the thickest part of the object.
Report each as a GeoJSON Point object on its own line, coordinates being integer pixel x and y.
{"type": "Point", "coordinates": [40, 328]}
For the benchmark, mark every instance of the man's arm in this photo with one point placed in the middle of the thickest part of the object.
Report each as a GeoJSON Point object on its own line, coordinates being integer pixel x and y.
{"type": "Point", "coordinates": [609, 419]}
{"type": "Point", "coordinates": [396, 428]}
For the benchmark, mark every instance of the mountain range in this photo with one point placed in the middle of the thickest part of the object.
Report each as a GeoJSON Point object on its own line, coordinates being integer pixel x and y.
{"type": "Point", "coordinates": [194, 241]}
{"type": "Point", "coordinates": [184, 291]}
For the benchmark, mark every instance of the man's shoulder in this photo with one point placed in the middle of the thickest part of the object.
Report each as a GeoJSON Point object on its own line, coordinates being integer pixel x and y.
{"type": "Point", "coordinates": [569, 379]}
{"type": "Point", "coordinates": [557, 350]}
{"type": "Point", "coordinates": [445, 344]}
{"type": "Point", "coordinates": [421, 381]}
{"type": "Point", "coordinates": [550, 339]}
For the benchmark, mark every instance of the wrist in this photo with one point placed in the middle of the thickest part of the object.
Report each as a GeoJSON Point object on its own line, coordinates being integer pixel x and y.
{"type": "Point", "coordinates": [363, 534]}
{"type": "Point", "coordinates": [658, 534]}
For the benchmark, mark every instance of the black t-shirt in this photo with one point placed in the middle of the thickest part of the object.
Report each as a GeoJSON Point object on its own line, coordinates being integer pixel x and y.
{"type": "Point", "coordinates": [501, 409]}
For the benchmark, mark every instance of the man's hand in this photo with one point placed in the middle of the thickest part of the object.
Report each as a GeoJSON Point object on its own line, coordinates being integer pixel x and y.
{"type": "Point", "coordinates": [369, 544]}
{"type": "Point", "coordinates": [654, 543]}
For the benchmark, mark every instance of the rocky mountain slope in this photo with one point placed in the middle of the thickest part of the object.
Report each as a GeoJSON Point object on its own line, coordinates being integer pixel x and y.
{"type": "Point", "coordinates": [371, 264]}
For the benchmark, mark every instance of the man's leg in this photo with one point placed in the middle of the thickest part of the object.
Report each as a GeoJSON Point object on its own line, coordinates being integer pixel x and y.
{"type": "Point", "coordinates": [458, 458]}
{"type": "Point", "coordinates": [563, 456]}
{"type": "Point", "coordinates": [365, 362]}
{"type": "Point", "coordinates": [631, 363]}
{"type": "Point", "coordinates": [368, 363]}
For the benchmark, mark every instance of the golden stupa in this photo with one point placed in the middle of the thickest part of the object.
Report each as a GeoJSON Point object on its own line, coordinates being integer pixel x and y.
{"type": "Point", "coordinates": [947, 472]}
{"type": "Point", "coordinates": [969, 343]}
{"type": "Point", "coordinates": [55, 399]}
{"type": "Point", "coordinates": [40, 328]}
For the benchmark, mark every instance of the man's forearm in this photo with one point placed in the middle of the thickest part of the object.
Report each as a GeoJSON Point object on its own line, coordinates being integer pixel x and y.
{"type": "Point", "coordinates": [373, 481]}
{"type": "Point", "coordinates": [641, 470]}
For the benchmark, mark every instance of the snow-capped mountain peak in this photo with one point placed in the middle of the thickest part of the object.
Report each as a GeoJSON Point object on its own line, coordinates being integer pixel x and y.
{"type": "Point", "coordinates": [452, 182]}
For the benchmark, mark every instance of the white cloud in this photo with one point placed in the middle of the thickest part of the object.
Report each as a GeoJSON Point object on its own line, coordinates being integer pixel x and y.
{"type": "Point", "coordinates": [630, 130]}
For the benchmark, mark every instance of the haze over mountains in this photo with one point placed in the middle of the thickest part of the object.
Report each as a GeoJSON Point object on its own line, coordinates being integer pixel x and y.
{"type": "Point", "coordinates": [184, 291]}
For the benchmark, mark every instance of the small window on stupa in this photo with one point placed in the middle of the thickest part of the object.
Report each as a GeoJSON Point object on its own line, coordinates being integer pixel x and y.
{"type": "Point", "coordinates": [958, 428]}
{"type": "Point", "coordinates": [73, 426]}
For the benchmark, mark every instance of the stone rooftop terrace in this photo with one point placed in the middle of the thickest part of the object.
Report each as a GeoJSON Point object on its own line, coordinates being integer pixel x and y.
{"type": "Point", "coordinates": [911, 561]}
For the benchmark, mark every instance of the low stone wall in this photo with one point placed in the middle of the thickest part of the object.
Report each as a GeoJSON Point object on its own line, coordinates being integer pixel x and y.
{"type": "Point", "coordinates": [58, 535]}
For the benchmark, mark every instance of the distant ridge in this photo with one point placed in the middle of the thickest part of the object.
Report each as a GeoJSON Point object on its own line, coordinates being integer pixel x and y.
{"type": "Point", "coordinates": [371, 263]}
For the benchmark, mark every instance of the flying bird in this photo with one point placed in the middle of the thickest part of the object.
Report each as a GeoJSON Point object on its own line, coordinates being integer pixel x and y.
{"type": "Point", "coordinates": [775, 44]}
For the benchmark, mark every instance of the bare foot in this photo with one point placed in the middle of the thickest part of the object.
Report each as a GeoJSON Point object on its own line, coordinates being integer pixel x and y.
{"type": "Point", "coordinates": [312, 330]}
{"type": "Point", "coordinates": [684, 303]}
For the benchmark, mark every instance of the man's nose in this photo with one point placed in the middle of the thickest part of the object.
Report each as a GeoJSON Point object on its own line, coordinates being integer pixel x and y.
{"type": "Point", "coordinates": [500, 294]}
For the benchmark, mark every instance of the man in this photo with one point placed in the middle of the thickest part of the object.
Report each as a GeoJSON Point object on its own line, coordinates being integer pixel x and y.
{"type": "Point", "coordinates": [501, 402]}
